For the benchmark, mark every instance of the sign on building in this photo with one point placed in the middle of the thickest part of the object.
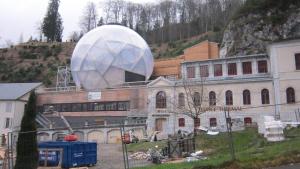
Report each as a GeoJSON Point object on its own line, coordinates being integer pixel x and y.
{"type": "Point", "coordinates": [94, 95]}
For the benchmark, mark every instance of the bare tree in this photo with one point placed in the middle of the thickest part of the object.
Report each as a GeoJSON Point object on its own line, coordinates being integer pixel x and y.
{"type": "Point", "coordinates": [170, 20]}
{"type": "Point", "coordinates": [193, 99]}
{"type": "Point", "coordinates": [89, 17]}
{"type": "Point", "coordinates": [75, 36]}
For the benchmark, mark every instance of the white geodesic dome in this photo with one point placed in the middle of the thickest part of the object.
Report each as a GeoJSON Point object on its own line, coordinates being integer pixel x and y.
{"type": "Point", "coordinates": [102, 56]}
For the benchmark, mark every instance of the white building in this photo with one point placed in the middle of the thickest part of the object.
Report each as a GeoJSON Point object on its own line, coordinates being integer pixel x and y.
{"type": "Point", "coordinates": [253, 85]}
{"type": "Point", "coordinates": [13, 98]}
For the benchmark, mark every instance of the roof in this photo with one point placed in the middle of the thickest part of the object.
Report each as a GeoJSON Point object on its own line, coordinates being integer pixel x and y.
{"type": "Point", "coordinates": [13, 91]}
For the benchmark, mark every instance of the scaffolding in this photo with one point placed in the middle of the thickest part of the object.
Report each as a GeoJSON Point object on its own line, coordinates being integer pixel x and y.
{"type": "Point", "coordinates": [63, 78]}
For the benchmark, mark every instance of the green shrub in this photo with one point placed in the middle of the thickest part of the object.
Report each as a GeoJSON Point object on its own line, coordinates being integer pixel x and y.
{"type": "Point", "coordinates": [27, 55]}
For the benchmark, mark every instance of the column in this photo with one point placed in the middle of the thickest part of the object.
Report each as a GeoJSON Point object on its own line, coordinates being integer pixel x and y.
{"type": "Point", "coordinates": [254, 66]}
{"type": "Point", "coordinates": [239, 68]}
{"type": "Point", "coordinates": [197, 71]}
{"type": "Point", "coordinates": [211, 70]}
{"type": "Point", "coordinates": [225, 69]}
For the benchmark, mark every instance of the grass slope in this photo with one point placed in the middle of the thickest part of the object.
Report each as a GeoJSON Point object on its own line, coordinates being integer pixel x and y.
{"type": "Point", "coordinates": [252, 151]}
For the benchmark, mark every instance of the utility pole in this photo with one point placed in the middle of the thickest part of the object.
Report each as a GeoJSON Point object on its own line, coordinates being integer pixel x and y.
{"type": "Point", "coordinates": [229, 132]}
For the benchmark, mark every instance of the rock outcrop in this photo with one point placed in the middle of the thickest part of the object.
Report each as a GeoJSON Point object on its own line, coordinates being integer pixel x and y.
{"type": "Point", "coordinates": [251, 33]}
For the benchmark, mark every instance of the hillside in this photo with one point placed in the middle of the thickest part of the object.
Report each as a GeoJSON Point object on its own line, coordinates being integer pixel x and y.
{"type": "Point", "coordinates": [34, 62]}
{"type": "Point", "coordinates": [258, 23]}
{"type": "Point", "coordinates": [38, 62]}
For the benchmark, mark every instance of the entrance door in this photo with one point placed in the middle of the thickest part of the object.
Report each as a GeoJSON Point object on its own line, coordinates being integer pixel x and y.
{"type": "Point", "coordinates": [159, 124]}
{"type": "Point", "coordinates": [248, 121]}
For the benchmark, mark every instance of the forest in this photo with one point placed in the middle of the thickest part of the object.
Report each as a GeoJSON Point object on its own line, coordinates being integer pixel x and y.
{"type": "Point", "coordinates": [165, 20]}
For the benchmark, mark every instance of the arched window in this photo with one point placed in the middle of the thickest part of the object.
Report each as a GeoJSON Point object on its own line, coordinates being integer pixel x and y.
{"type": "Point", "coordinates": [212, 98]}
{"type": "Point", "coordinates": [161, 100]}
{"type": "Point", "coordinates": [228, 96]}
{"type": "Point", "coordinates": [196, 99]}
{"type": "Point", "coordinates": [246, 97]}
{"type": "Point", "coordinates": [181, 101]}
{"type": "Point", "coordinates": [290, 95]}
{"type": "Point", "coordinates": [265, 99]}
{"type": "Point", "coordinates": [181, 122]}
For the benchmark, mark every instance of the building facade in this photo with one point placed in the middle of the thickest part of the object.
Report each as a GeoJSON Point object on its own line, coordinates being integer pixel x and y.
{"type": "Point", "coordinates": [190, 91]}
{"type": "Point", "coordinates": [94, 116]}
{"type": "Point", "coordinates": [13, 98]}
{"type": "Point", "coordinates": [251, 86]}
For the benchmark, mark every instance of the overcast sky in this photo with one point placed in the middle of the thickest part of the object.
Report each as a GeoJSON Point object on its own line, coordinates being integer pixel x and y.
{"type": "Point", "coordinates": [22, 16]}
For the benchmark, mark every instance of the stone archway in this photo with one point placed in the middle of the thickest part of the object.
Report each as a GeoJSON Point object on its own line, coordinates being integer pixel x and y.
{"type": "Point", "coordinates": [58, 136]}
{"type": "Point", "coordinates": [80, 135]}
{"type": "Point", "coordinates": [114, 136]}
{"type": "Point", "coordinates": [43, 136]}
{"type": "Point", "coordinates": [96, 136]}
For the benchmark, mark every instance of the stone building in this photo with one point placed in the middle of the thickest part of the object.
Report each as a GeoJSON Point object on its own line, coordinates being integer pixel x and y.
{"type": "Point", "coordinates": [253, 86]}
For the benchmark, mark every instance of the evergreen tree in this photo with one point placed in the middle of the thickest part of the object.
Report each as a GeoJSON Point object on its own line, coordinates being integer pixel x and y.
{"type": "Point", "coordinates": [27, 153]}
{"type": "Point", "coordinates": [100, 22]}
{"type": "Point", "coordinates": [52, 25]}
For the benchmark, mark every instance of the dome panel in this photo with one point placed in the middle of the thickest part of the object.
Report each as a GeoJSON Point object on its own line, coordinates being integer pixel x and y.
{"type": "Point", "coordinates": [102, 55]}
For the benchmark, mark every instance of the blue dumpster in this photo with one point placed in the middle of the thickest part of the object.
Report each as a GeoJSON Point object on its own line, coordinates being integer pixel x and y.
{"type": "Point", "coordinates": [75, 154]}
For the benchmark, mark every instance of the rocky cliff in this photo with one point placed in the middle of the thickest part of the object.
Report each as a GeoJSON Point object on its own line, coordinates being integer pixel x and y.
{"type": "Point", "coordinates": [259, 23]}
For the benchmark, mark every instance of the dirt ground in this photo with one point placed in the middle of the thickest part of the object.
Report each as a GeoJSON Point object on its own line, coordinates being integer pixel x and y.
{"type": "Point", "coordinates": [110, 156]}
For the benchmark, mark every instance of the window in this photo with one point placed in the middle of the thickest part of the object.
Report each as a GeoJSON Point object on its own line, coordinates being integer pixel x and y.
{"type": "Point", "coordinates": [122, 106]}
{"type": "Point", "coordinates": [181, 101]}
{"type": "Point", "coordinates": [190, 72]}
{"type": "Point", "coordinates": [228, 97]}
{"type": "Point", "coordinates": [161, 100]}
{"type": "Point", "coordinates": [196, 99]}
{"type": "Point", "coordinates": [66, 107]}
{"type": "Point", "coordinates": [265, 96]}
{"type": "Point", "coordinates": [290, 95]}
{"type": "Point", "coordinates": [84, 107]}
{"type": "Point", "coordinates": [110, 106]}
{"type": "Point", "coordinates": [99, 107]}
{"type": "Point", "coordinates": [7, 122]}
{"type": "Point", "coordinates": [297, 61]}
{"type": "Point", "coordinates": [218, 70]}
{"type": "Point", "coordinates": [90, 106]}
{"type": "Point", "coordinates": [204, 71]}
{"type": "Point", "coordinates": [262, 66]}
{"type": "Point", "coordinates": [213, 122]}
{"type": "Point", "coordinates": [212, 98]}
{"type": "Point", "coordinates": [247, 67]}
{"type": "Point", "coordinates": [246, 97]}
{"type": "Point", "coordinates": [247, 121]}
{"type": "Point", "coordinates": [76, 107]}
{"type": "Point", "coordinates": [181, 122]}
{"type": "Point", "coordinates": [8, 107]}
{"type": "Point", "coordinates": [232, 69]}
{"type": "Point", "coordinates": [196, 122]}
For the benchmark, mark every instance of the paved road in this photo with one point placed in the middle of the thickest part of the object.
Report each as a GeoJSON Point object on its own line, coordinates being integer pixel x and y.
{"type": "Point", "coordinates": [110, 156]}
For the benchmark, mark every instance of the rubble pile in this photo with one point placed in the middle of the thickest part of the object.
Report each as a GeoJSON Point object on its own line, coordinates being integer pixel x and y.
{"type": "Point", "coordinates": [139, 156]}
{"type": "Point", "coordinates": [198, 155]}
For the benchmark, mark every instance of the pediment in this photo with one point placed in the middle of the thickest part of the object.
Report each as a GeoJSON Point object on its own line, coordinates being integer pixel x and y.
{"type": "Point", "coordinates": [161, 81]}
